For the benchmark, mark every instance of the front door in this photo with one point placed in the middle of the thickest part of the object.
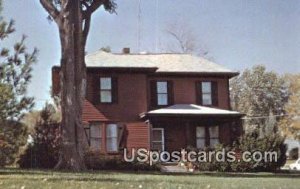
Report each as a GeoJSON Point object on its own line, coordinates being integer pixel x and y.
{"type": "Point", "coordinates": [158, 139]}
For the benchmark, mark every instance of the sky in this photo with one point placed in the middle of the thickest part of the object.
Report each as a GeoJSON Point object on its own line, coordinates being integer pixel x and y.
{"type": "Point", "coordinates": [238, 34]}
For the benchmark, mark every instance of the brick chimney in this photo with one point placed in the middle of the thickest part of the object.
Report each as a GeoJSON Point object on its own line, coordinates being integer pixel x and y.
{"type": "Point", "coordinates": [126, 50]}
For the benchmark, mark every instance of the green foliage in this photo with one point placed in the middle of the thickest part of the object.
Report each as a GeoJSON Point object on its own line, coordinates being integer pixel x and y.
{"type": "Point", "coordinates": [258, 92]}
{"type": "Point", "coordinates": [43, 151]}
{"type": "Point", "coordinates": [290, 125]}
{"type": "Point", "coordinates": [15, 74]}
{"type": "Point", "coordinates": [98, 161]}
{"type": "Point", "coordinates": [250, 142]}
{"type": "Point", "coordinates": [13, 135]}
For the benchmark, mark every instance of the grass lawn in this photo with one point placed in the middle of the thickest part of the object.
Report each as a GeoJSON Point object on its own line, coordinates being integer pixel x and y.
{"type": "Point", "coordinates": [31, 179]}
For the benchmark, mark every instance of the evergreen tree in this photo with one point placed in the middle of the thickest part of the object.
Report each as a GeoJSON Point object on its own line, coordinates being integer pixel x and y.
{"type": "Point", "coordinates": [15, 74]}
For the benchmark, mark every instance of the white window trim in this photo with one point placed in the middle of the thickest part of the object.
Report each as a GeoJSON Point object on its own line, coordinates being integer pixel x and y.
{"type": "Point", "coordinates": [100, 138]}
{"type": "Point", "coordinates": [108, 90]}
{"type": "Point", "coordinates": [207, 93]}
{"type": "Point", "coordinates": [160, 93]}
{"type": "Point", "coordinates": [110, 137]}
{"type": "Point", "coordinates": [162, 137]}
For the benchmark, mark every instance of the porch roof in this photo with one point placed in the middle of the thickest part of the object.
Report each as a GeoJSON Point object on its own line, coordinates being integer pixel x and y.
{"type": "Point", "coordinates": [191, 110]}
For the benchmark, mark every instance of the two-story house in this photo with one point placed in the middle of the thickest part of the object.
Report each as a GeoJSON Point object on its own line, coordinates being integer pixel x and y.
{"type": "Point", "coordinates": [155, 101]}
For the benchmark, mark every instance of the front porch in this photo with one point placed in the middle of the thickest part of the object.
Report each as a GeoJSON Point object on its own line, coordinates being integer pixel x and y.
{"type": "Point", "coordinates": [191, 126]}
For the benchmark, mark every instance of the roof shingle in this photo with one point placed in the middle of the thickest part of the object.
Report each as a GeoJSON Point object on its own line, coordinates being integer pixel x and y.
{"type": "Point", "coordinates": [164, 63]}
{"type": "Point", "coordinates": [91, 113]}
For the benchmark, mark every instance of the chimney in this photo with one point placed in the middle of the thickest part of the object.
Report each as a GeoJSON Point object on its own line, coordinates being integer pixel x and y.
{"type": "Point", "coordinates": [126, 50]}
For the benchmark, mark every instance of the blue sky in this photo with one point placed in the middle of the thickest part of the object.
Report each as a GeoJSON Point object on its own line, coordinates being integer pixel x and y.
{"type": "Point", "coordinates": [237, 33]}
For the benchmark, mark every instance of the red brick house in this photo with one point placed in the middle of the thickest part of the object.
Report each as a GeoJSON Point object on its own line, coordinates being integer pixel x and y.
{"type": "Point", "coordinates": [155, 101]}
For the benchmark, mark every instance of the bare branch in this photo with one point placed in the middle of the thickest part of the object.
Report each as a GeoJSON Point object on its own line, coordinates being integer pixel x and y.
{"type": "Point", "coordinates": [50, 8]}
{"type": "Point", "coordinates": [86, 28]}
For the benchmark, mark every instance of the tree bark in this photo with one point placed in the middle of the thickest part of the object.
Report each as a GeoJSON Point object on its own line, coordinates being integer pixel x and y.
{"type": "Point", "coordinates": [73, 81]}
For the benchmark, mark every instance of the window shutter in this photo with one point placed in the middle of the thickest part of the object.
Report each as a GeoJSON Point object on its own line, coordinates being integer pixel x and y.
{"type": "Point", "coordinates": [114, 82]}
{"type": "Point", "coordinates": [153, 94]}
{"type": "Point", "coordinates": [96, 87]}
{"type": "Point", "coordinates": [199, 93]}
{"type": "Point", "coordinates": [214, 88]}
{"type": "Point", "coordinates": [120, 135]}
{"type": "Point", "coordinates": [170, 93]}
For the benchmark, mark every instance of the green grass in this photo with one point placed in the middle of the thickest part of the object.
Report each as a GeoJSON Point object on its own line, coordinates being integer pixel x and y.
{"type": "Point", "coordinates": [31, 179]}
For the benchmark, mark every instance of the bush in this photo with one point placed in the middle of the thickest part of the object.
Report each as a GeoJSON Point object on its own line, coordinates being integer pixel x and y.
{"type": "Point", "coordinates": [270, 143]}
{"type": "Point", "coordinates": [13, 136]}
{"type": "Point", "coordinates": [249, 142]}
{"type": "Point", "coordinates": [294, 154]}
{"type": "Point", "coordinates": [99, 161]}
{"type": "Point", "coordinates": [43, 152]}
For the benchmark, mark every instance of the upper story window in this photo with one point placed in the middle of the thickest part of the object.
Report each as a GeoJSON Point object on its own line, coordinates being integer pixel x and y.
{"type": "Point", "coordinates": [161, 93]}
{"type": "Point", "coordinates": [207, 93]}
{"type": "Point", "coordinates": [108, 90]}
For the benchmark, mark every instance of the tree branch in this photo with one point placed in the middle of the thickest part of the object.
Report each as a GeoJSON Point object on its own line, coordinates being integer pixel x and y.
{"type": "Point", "coordinates": [95, 5]}
{"type": "Point", "coordinates": [50, 8]}
{"type": "Point", "coordinates": [86, 28]}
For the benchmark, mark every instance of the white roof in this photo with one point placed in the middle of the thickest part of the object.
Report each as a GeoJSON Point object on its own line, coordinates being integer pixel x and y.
{"type": "Point", "coordinates": [192, 109]}
{"type": "Point", "coordinates": [163, 62]}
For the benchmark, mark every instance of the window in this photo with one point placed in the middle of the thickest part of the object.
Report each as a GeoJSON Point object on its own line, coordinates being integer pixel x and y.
{"type": "Point", "coordinates": [206, 93]}
{"type": "Point", "coordinates": [162, 92]}
{"type": "Point", "coordinates": [95, 137]}
{"type": "Point", "coordinates": [158, 139]}
{"type": "Point", "coordinates": [213, 135]}
{"type": "Point", "coordinates": [200, 137]}
{"type": "Point", "coordinates": [112, 138]}
{"type": "Point", "coordinates": [207, 136]}
{"type": "Point", "coordinates": [105, 90]}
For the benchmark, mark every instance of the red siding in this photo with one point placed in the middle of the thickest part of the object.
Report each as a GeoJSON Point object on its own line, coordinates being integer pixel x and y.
{"type": "Point", "coordinates": [91, 113]}
{"type": "Point", "coordinates": [138, 135]}
{"type": "Point", "coordinates": [185, 89]}
{"type": "Point", "coordinates": [132, 96]}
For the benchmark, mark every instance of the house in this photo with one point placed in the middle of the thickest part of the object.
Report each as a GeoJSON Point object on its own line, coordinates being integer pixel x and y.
{"type": "Point", "coordinates": [155, 101]}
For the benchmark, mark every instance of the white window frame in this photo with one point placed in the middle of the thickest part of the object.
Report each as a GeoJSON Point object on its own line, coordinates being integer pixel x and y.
{"type": "Point", "coordinates": [99, 138]}
{"type": "Point", "coordinates": [162, 137]}
{"type": "Point", "coordinates": [162, 93]}
{"type": "Point", "coordinates": [207, 93]}
{"type": "Point", "coordinates": [112, 137]}
{"type": "Point", "coordinates": [106, 90]}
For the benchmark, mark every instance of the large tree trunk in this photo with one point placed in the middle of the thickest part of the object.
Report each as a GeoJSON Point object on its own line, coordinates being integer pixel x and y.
{"type": "Point", "coordinates": [73, 81]}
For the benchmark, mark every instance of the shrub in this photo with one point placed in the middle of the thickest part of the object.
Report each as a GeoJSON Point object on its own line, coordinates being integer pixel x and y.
{"type": "Point", "coordinates": [249, 142]}
{"type": "Point", "coordinates": [98, 161]}
{"type": "Point", "coordinates": [43, 152]}
{"type": "Point", "coordinates": [270, 143]}
{"type": "Point", "coordinates": [13, 136]}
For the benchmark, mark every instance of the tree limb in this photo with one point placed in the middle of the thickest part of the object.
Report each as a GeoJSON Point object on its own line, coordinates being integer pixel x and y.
{"type": "Point", "coordinates": [86, 28]}
{"type": "Point", "coordinates": [95, 5]}
{"type": "Point", "coordinates": [50, 8]}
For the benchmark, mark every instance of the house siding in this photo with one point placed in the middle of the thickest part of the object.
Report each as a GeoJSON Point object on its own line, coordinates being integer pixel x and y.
{"type": "Point", "coordinates": [132, 96]}
{"type": "Point", "coordinates": [138, 135]}
{"type": "Point", "coordinates": [185, 89]}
